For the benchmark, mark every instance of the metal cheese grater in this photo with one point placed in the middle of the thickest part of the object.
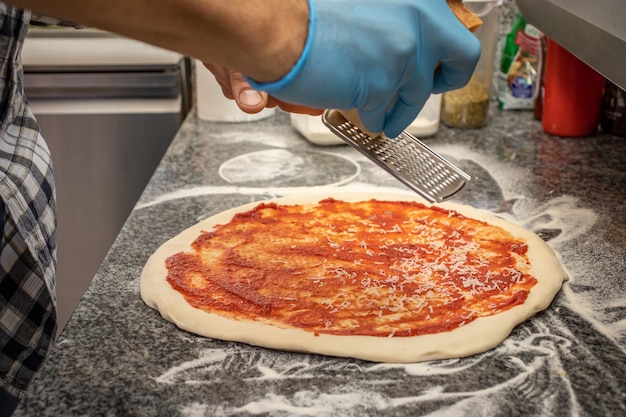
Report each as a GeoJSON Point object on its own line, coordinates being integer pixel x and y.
{"type": "Point", "coordinates": [405, 157]}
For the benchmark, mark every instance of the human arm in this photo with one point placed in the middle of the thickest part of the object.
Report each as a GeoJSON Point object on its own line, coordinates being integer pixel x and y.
{"type": "Point", "coordinates": [234, 37]}
{"type": "Point", "coordinates": [262, 39]}
{"type": "Point", "coordinates": [320, 54]}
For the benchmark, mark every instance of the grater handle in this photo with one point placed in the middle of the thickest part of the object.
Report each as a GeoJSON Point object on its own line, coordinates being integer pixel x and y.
{"type": "Point", "coordinates": [465, 15]}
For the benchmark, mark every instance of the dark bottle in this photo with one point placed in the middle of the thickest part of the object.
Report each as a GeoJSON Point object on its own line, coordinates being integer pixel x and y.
{"type": "Point", "coordinates": [613, 112]}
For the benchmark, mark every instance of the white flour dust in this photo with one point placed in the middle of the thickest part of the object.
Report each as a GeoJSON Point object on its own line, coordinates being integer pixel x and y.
{"type": "Point", "coordinates": [561, 213]}
{"type": "Point", "coordinates": [534, 359]}
{"type": "Point", "coordinates": [234, 136]}
{"type": "Point", "coordinates": [277, 166]}
{"type": "Point", "coordinates": [208, 360]}
{"type": "Point", "coordinates": [195, 410]}
{"type": "Point", "coordinates": [512, 181]}
{"type": "Point", "coordinates": [272, 191]}
{"type": "Point", "coordinates": [275, 163]}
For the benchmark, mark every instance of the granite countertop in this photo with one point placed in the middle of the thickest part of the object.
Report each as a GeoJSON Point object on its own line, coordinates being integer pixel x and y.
{"type": "Point", "coordinates": [118, 357]}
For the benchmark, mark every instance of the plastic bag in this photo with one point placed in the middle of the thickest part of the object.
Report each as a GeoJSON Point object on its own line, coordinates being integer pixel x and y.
{"type": "Point", "coordinates": [518, 81]}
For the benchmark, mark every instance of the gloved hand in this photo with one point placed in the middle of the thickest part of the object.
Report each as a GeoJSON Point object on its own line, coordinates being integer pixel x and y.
{"type": "Point", "coordinates": [364, 53]}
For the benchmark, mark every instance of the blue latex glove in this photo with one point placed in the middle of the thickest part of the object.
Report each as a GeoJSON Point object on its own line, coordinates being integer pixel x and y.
{"type": "Point", "coordinates": [363, 53]}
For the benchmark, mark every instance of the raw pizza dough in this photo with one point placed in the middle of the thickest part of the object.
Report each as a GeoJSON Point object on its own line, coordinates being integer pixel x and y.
{"type": "Point", "coordinates": [477, 336]}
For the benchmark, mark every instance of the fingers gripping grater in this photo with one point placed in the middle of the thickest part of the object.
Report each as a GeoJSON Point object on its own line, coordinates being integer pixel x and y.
{"type": "Point", "coordinates": [405, 157]}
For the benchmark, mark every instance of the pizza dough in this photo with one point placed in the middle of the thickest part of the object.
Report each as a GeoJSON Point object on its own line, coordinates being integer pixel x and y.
{"type": "Point", "coordinates": [474, 337]}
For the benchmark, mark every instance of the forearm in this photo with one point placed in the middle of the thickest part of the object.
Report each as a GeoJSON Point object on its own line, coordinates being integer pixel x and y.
{"type": "Point", "coordinates": [262, 39]}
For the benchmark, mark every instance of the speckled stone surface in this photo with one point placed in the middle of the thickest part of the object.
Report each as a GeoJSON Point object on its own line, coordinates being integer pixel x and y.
{"type": "Point", "coordinates": [118, 357]}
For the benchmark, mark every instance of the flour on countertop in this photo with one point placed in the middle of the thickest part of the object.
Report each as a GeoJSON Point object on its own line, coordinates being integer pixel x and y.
{"type": "Point", "coordinates": [533, 358]}
{"type": "Point", "coordinates": [236, 136]}
{"type": "Point", "coordinates": [274, 163]}
{"type": "Point", "coordinates": [280, 166]}
{"type": "Point", "coordinates": [534, 363]}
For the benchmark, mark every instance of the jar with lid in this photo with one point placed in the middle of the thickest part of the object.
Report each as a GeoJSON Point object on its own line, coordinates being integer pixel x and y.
{"type": "Point", "coordinates": [468, 107]}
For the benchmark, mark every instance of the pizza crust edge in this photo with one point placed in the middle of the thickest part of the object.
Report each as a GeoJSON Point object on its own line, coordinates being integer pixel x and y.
{"type": "Point", "coordinates": [475, 337]}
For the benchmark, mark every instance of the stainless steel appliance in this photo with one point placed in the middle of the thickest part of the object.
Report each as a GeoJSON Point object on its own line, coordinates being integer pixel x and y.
{"type": "Point", "coordinates": [108, 108]}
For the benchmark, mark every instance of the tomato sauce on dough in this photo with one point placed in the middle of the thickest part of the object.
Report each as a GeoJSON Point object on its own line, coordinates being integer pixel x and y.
{"type": "Point", "coordinates": [370, 268]}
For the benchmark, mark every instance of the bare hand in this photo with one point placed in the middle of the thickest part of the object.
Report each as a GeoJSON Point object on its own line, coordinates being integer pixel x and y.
{"type": "Point", "coordinates": [235, 87]}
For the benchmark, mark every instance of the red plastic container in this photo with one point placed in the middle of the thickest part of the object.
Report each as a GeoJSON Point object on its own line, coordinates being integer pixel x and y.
{"type": "Point", "coordinates": [572, 95]}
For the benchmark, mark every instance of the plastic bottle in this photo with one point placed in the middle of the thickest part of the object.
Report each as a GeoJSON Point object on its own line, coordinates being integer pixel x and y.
{"type": "Point", "coordinates": [572, 95]}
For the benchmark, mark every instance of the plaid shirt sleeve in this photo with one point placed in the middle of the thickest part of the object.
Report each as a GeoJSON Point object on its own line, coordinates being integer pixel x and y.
{"type": "Point", "coordinates": [28, 239]}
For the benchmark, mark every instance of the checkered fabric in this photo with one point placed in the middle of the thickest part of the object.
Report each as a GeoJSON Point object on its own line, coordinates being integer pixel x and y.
{"type": "Point", "coordinates": [28, 241]}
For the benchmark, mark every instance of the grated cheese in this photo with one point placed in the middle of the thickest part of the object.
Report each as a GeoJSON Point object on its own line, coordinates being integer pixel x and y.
{"type": "Point", "coordinates": [411, 270]}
